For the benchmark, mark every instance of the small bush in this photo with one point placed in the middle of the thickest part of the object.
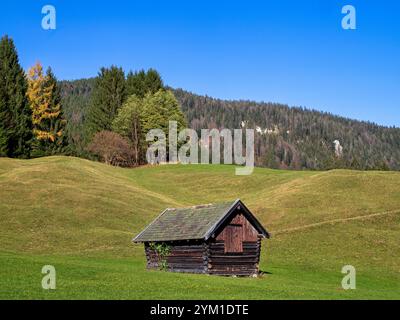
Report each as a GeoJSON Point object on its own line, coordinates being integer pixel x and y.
{"type": "Point", "coordinates": [111, 148]}
{"type": "Point", "coordinates": [162, 250]}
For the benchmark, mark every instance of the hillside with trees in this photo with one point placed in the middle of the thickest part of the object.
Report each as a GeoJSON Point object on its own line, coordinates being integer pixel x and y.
{"type": "Point", "coordinates": [286, 137]}
{"type": "Point", "coordinates": [293, 137]}
{"type": "Point", "coordinates": [76, 97]}
{"type": "Point", "coordinates": [107, 118]}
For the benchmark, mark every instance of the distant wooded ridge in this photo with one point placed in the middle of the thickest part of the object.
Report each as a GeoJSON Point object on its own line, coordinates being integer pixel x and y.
{"type": "Point", "coordinates": [286, 137]}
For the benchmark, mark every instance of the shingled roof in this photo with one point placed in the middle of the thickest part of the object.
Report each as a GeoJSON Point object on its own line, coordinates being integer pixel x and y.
{"type": "Point", "coordinates": [193, 223]}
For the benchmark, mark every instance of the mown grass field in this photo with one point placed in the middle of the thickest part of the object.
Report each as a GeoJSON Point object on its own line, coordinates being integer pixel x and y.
{"type": "Point", "coordinates": [80, 216]}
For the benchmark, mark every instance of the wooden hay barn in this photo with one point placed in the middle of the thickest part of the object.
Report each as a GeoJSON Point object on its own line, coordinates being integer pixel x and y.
{"type": "Point", "coordinates": [221, 239]}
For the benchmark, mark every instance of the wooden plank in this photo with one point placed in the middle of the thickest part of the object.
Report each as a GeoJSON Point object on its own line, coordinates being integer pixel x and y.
{"type": "Point", "coordinates": [240, 264]}
{"type": "Point", "coordinates": [233, 238]}
{"type": "Point", "coordinates": [182, 258]}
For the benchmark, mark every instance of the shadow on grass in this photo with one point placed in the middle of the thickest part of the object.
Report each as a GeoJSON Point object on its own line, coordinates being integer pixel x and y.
{"type": "Point", "coordinates": [263, 272]}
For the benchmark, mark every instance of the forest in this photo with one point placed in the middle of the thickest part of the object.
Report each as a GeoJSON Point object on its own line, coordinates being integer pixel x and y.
{"type": "Point", "coordinates": [286, 137]}
{"type": "Point", "coordinates": [106, 118]}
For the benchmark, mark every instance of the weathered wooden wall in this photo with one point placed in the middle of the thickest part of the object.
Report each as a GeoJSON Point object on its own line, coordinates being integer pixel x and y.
{"type": "Point", "coordinates": [183, 257]}
{"type": "Point", "coordinates": [248, 232]}
{"type": "Point", "coordinates": [242, 264]}
{"type": "Point", "coordinates": [236, 249]}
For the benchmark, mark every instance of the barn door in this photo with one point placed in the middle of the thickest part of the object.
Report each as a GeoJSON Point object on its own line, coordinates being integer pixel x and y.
{"type": "Point", "coordinates": [233, 238]}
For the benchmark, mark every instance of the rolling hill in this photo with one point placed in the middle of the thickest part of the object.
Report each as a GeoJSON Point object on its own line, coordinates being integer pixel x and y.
{"type": "Point", "coordinates": [80, 216]}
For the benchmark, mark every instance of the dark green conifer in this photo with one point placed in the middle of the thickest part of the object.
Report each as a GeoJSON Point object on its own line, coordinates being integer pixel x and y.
{"type": "Point", "coordinates": [108, 96]}
{"type": "Point", "coordinates": [15, 113]}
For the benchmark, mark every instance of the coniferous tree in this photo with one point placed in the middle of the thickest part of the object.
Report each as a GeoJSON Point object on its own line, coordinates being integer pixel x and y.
{"type": "Point", "coordinates": [153, 81]}
{"type": "Point", "coordinates": [15, 114]}
{"type": "Point", "coordinates": [47, 117]}
{"type": "Point", "coordinates": [58, 124]}
{"type": "Point", "coordinates": [140, 83]}
{"type": "Point", "coordinates": [5, 118]}
{"type": "Point", "coordinates": [108, 96]}
{"type": "Point", "coordinates": [135, 83]}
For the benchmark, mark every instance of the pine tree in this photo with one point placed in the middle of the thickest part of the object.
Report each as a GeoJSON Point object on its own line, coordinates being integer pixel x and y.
{"type": "Point", "coordinates": [153, 81]}
{"type": "Point", "coordinates": [5, 118]}
{"type": "Point", "coordinates": [136, 83]}
{"type": "Point", "coordinates": [108, 96]}
{"type": "Point", "coordinates": [47, 117]}
{"type": "Point", "coordinates": [15, 114]}
{"type": "Point", "coordinates": [140, 83]}
{"type": "Point", "coordinates": [58, 124]}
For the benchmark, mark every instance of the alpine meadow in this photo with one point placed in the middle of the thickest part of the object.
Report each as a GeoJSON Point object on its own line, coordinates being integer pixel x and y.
{"type": "Point", "coordinates": [80, 216]}
{"type": "Point", "coordinates": [200, 151]}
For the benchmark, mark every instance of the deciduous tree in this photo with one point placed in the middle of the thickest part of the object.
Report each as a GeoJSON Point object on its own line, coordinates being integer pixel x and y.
{"type": "Point", "coordinates": [160, 108]}
{"type": "Point", "coordinates": [138, 116]}
{"type": "Point", "coordinates": [128, 124]}
{"type": "Point", "coordinates": [111, 148]}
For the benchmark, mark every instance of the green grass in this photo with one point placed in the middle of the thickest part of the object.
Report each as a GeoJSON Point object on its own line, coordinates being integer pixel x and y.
{"type": "Point", "coordinates": [80, 216]}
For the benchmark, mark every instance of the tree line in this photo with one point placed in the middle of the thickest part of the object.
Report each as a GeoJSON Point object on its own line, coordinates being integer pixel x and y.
{"type": "Point", "coordinates": [107, 117]}
{"type": "Point", "coordinates": [104, 118]}
{"type": "Point", "coordinates": [298, 138]}
{"type": "Point", "coordinates": [290, 137]}
{"type": "Point", "coordinates": [123, 109]}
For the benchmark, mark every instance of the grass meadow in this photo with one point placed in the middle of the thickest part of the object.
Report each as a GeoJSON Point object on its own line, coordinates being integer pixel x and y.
{"type": "Point", "coordinates": [80, 217]}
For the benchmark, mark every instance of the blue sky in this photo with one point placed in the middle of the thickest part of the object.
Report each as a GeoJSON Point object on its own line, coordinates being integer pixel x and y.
{"type": "Point", "coordinates": [292, 52]}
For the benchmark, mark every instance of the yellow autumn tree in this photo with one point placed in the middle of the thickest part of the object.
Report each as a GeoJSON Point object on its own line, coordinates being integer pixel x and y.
{"type": "Point", "coordinates": [47, 118]}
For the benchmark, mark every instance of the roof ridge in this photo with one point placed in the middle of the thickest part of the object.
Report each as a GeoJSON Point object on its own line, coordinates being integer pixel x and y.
{"type": "Point", "coordinates": [193, 222]}
{"type": "Point", "coordinates": [205, 205]}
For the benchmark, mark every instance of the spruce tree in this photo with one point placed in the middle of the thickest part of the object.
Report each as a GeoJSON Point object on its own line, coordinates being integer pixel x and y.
{"type": "Point", "coordinates": [58, 125]}
{"type": "Point", "coordinates": [15, 114]}
{"type": "Point", "coordinates": [108, 96]}
{"type": "Point", "coordinates": [140, 83]}
{"type": "Point", "coordinates": [153, 81]}
{"type": "Point", "coordinates": [136, 83]}
{"type": "Point", "coordinates": [5, 119]}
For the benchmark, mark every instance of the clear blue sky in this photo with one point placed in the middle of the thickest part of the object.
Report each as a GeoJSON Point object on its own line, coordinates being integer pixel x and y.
{"type": "Point", "coordinates": [292, 52]}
